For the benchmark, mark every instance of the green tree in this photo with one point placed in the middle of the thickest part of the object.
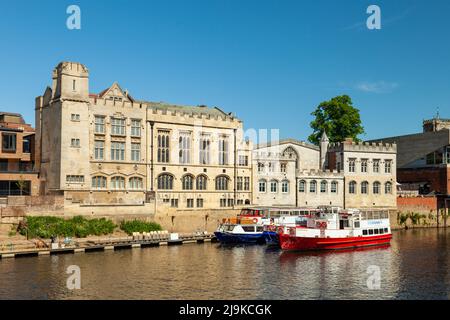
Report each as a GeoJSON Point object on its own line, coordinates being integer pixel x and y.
{"type": "Point", "coordinates": [338, 118]}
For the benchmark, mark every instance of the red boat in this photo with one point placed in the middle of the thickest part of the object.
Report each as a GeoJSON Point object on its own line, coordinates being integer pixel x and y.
{"type": "Point", "coordinates": [338, 230]}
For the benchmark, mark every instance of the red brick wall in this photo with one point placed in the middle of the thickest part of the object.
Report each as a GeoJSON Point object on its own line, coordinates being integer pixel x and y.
{"type": "Point", "coordinates": [417, 203]}
{"type": "Point", "coordinates": [437, 177]}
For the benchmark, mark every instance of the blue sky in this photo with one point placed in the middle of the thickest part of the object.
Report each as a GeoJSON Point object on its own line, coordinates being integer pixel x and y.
{"type": "Point", "coordinates": [270, 62]}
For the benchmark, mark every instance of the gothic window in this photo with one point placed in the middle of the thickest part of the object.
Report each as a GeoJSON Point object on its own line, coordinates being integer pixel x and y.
{"type": "Point", "coordinates": [201, 182]}
{"type": "Point", "coordinates": [223, 150]}
{"type": "Point", "coordinates": [323, 186]}
{"type": "Point", "coordinates": [351, 165]}
{"type": "Point", "coordinates": [246, 183]}
{"type": "Point", "coordinates": [313, 186]}
{"type": "Point", "coordinates": [165, 181]}
{"type": "Point", "coordinates": [376, 165]}
{"type": "Point", "coordinates": [274, 186]}
{"type": "Point", "coordinates": [387, 166]}
{"type": "Point", "coordinates": [262, 186]}
{"type": "Point", "coordinates": [388, 188]}
{"type": "Point", "coordinates": [163, 146]}
{"type": "Point", "coordinates": [135, 183]}
{"type": "Point", "coordinates": [260, 167]}
{"type": "Point", "coordinates": [376, 187]}
{"type": "Point", "coordinates": [285, 186]}
{"type": "Point", "coordinates": [222, 183]}
{"type": "Point", "coordinates": [118, 183]}
{"type": "Point", "coordinates": [240, 183]}
{"type": "Point", "coordinates": [352, 187]}
{"type": "Point", "coordinates": [187, 182]}
{"type": "Point", "coordinates": [364, 187]}
{"type": "Point", "coordinates": [334, 186]}
{"type": "Point", "coordinates": [302, 186]}
{"type": "Point", "coordinates": [290, 153]}
{"type": "Point", "coordinates": [184, 145]}
{"type": "Point", "coordinates": [98, 182]}
{"type": "Point", "coordinates": [205, 146]}
{"type": "Point", "coordinates": [364, 165]}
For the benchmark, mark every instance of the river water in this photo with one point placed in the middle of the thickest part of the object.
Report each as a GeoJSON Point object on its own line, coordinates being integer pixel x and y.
{"type": "Point", "coordinates": [415, 266]}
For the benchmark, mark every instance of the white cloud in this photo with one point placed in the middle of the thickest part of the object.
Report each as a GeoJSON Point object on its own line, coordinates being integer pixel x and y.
{"type": "Point", "coordinates": [377, 87]}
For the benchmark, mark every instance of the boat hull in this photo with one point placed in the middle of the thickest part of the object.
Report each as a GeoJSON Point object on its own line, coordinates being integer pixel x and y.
{"type": "Point", "coordinates": [226, 237]}
{"type": "Point", "coordinates": [271, 238]}
{"type": "Point", "coordinates": [293, 243]}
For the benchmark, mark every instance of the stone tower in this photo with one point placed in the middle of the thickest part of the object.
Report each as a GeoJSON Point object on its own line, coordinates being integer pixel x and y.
{"type": "Point", "coordinates": [70, 81]}
{"type": "Point", "coordinates": [324, 142]}
{"type": "Point", "coordinates": [62, 117]}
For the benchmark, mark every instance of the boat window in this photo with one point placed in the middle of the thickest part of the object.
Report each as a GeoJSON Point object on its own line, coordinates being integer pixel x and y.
{"type": "Point", "coordinates": [229, 228]}
{"type": "Point", "coordinates": [376, 215]}
{"type": "Point", "coordinates": [370, 232]}
{"type": "Point", "coordinates": [369, 215]}
{"type": "Point", "coordinates": [259, 229]}
{"type": "Point", "coordinates": [248, 228]}
{"type": "Point", "coordinates": [376, 231]}
{"type": "Point", "coordinates": [381, 231]}
{"type": "Point", "coordinates": [385, 230]}
{"type": "Point", "coordinates": [363, 216]}
{"type": "Point", "coordinates": [356, 224]}
{"type": "Point", "coordinates": [364, 232]}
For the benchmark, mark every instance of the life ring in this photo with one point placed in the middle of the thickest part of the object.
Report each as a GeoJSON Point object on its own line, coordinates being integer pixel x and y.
{"type": "Point", "coordinates": [255, 220]}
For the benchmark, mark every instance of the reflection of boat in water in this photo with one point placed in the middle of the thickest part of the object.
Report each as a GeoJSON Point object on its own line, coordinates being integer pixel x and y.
{"type": "Point", "coordinates": [330, 230]}
{"type": "Point", "coordinates": [292, 256]}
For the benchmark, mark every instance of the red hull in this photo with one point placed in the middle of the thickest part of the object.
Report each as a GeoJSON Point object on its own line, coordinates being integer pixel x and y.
{"type": "Point", "coordinates": [291, 243]}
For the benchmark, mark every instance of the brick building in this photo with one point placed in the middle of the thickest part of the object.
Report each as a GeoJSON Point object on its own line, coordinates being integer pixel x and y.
{"type": "Point", "coordinates": [17, 162]}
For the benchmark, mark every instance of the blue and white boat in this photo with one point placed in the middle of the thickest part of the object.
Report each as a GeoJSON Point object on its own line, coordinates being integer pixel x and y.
{"type": "Point", "coordinates": [247, 227]}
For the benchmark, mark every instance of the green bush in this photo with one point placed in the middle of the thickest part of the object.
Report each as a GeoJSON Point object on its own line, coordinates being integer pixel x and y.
{"type": "Point", "coordinates": [80, 227]}
{"type": "Point", "coordinates": [139, 226]}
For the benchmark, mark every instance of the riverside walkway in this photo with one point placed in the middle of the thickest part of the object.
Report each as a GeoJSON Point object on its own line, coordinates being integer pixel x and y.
{"type": "Point", "coordinates": [138, 240]}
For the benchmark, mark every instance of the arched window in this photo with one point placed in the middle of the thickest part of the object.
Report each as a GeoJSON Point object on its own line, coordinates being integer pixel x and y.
{"type": "Point", "coordinates": [135, 183]}
{"type": "Point", "coordinates": [352, 187]}
{"type": "Point", "coordinates": [274, 186]}
{"type": "Point", "coordinates": [388, 188]}
{"type": "Point", "coordinates": [323, 186]}
{"type": "Point", "coordinates": [291, 153]}
{"type": "Point", "coordinates": [334, 187]}
{"type": "Point", "coordinates": [302, 186]}
{"type": "Point", "coordinates": [99, 182]}
{"type": "Point", "coordinates": [364, 187]}
{"type": "Point", "coordinates": [222, 183]}
{"type": "Point", "coordinates": [376, 187]}
{"type": "Point", "coordinates": [313, 186]}
{"type": "Point", "coordinates": [118, 183]}
{"type": "Point", "coordinates": [201, 182]}
{"type": "Point", "coordinates": [165, 181]}
{"type": "Point", "coordinates": [187, 182]}
{"type": "Point", "coordinates": [262, 186]}
{"type": "Point", "coordinates": [285, 186]}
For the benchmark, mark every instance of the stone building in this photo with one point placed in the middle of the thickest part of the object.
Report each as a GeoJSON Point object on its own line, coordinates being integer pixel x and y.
{"type": "Point", "coordinates": [18, 175]}
{"type": "Point", "coordinates": [110, 153]}
{"type": "Point", "coordinates": [294, 173]}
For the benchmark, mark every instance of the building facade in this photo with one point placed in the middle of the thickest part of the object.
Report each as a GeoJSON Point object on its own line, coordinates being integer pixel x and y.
{"type": "Point", "coordinates": [18, 175]}
{"type": "Point", "coordinates": [348, 174]}
{"type": "Point", "coordinates": [110, 150]}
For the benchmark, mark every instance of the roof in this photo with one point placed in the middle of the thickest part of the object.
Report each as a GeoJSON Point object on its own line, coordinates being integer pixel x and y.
{"type": "Point", "coordinates": [287, 141]}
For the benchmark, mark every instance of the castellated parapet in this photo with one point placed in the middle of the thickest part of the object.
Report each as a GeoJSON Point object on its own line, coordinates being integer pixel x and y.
{"type": "Point", "coordinates": [363, 147]}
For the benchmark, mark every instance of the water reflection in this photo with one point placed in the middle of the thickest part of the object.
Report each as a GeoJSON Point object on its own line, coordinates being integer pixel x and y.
{"type": "Point", "coordinates": [413, 267]}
